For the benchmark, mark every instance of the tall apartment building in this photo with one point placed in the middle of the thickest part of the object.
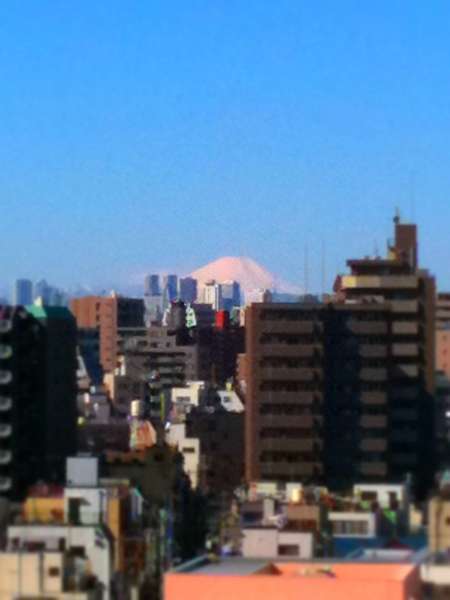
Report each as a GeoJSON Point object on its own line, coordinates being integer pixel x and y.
{"type": "Point", "coordinates": [409, 292]}
{"type": "Point", "coordinates": [23, 292]}
{"type": "Point", "coordinates": [108, 314]}
{"type": "Point", "coordinates": [443, 333]}
{"type": "Point", "coordinates": [342, 392]}
{"type": "Point", "coordinates": [37, 395]}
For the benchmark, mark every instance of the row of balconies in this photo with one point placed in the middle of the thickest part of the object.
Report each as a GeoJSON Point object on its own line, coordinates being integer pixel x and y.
{"type": "Point", "coordinates": [306, 398]}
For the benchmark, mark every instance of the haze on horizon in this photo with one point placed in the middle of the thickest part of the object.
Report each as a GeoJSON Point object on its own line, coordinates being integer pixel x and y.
{"type": "Point", "coordinates": [142, 137]}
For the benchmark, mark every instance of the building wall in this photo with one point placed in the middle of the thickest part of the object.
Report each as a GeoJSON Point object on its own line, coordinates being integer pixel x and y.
{"type": "Point", "coordinates": [92, 539]}
{"type": "Point", "coordinates": [352, 582]}
{"type": "Point", "coordinates": [271, 543]}
{"type": "Point", "coordinates": [439, 524]}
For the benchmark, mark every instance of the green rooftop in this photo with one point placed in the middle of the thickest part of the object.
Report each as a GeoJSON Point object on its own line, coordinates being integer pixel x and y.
{"type": "Point", "coordinates": [49, 312]}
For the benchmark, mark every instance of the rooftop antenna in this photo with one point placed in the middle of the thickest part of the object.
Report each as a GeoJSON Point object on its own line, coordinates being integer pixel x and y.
{"type": "Point", "coordinates": [397, 215]}
{"type": "Point", "coordinates": [412, 195]}
{"type": "Point", "coordinates": [306, 267]}
{"type": "Point", "coordinates": [376, 250]}
{"type": "Point", "coordinates": [322, 268]}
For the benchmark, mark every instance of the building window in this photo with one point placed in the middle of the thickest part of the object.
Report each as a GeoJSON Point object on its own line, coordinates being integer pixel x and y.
{"type": "Point", "coordinates": [53, 572]}
{"type": "Point", "coordinates": [288, 550]}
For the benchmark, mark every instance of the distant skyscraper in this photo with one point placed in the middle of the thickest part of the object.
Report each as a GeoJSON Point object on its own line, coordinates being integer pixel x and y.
{"type": "Point", "coordinates": [187, 289]}
{"type": "Point", "coordinates": [23, 292]}
{"type": "Point", "coordinates": [212, 294]}
{"type": "Point", "coordinates": [151, 285]}
{"type": "Point", "coordinates": [41, 290]}
{"type": "Point", "coordinates": [170, 284]}
{"type": "Point", "coordinates": [231, 295]}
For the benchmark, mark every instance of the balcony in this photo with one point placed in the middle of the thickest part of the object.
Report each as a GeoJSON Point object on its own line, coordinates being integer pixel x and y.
{"type": "Point", "coordinates": [5, 325]}
{"type": "Point", "coordinates": [405, 350]}
{"type": "Point", "coordinates": [405, 328]}
{"type": "Point", "coordinates": [291, 327]}
{"type": "Point", "coordinates": [303, 398]}
{"type": "Point", "coordinates": [5, 457]}
{"type": "Point", "coordinates": [373, 445]}
{"type": "Point", "coordinates": [373, 469]}
{"type": "Point", "coordinates": [5, 431]}
{"type": "Point", "coordinates": [405, 306]}
{"type": "Point", "coordinates": [291, 470]}
{"type": "Point", "coordinates": [288, 374]}
{"type": "Point", "coordinates": [373, 351]}
{"type": "Point", "coordinates": [406, 371]}
{"type": "Point", "coordinates": [371, 282]}
{"type": "Point", "coordinates": [300, 421]}
{"type": "Point", "coordinates": [404, 415]}
{"type": "Point", "coordinates": [374, 398]}
{"type": "Point", "coordinates": [5, 403]}
{"type": "Point", "coordinates": [5, 377]}
{"type": "Point", "coordinates": [404, 437]}
{"type": "Point", "coordinates": [373, 374]}
{"type": "Point", "coordinates": [407, 393]}
{"type": "Point", "coordinates": [291, 445]}
{"type": "Point", "coordinates": [5, 484]}
{"type": "Point", "coordinates": [288, 350]}
{"type": "Point", "coordinates": [5, 351]}
{"type": "Point", "coordinates": [374, 421]}
{"type": "Point", "coordinates": [368, 327]}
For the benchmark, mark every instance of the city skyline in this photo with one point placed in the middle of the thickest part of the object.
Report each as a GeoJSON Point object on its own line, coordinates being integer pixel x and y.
{"type": "Point", "coordinates": [155, 137]}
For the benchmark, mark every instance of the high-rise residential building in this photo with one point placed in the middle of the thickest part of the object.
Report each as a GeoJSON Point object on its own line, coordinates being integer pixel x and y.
{"type": "Point", "coordinates": [151, 285]}
{"type": "Point", "coordinates": [23, 292]}
{"type": "Point", "coordinates": [187, 289]}
{"type": "Point", "coordinates": [443, 333]}
{"type": "Point", "coordinates": [343, 391]}
{"type": "Point", "coordinates": [109, 314]}
{"type": "Point", "coordinates": [38, 414]}
{"type": "Point", "coordinates": [170, 287]}
{"type": "Point", "coordinates": [409, 291]}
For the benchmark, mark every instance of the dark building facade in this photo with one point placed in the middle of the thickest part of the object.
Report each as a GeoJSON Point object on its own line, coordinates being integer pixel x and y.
{"type": "Point", "coordinates": [343, 392]}
{"type": "Point", "coordinates": [38, 415]}
{"type": "Point", "coordinates": [108, 314]}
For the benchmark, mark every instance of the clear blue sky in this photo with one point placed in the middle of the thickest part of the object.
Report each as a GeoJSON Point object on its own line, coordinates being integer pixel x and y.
{"type": "Point", "coordinates": [152, 134]}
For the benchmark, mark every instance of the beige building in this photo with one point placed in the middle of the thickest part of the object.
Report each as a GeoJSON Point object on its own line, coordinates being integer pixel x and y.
{"type": "Point", "coordinates": [41, 575]}
{"type": "Point", "coordinates": [270, 542]}
{"type": "Point", "coordinates": [439, 524]}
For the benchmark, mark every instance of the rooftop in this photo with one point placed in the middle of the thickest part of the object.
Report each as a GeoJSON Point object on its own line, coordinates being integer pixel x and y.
{"type": "Point", "coordinates": [367, 567]}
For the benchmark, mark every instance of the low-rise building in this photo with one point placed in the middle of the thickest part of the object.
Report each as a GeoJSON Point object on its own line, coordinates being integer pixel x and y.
{"type": "Point", "coordinates": [223, 579]}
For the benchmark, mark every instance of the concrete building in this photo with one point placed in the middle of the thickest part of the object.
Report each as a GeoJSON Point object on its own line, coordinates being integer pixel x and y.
{"type": "Point", "coordinates": [23, 292]}
{"type": "Point", "coordinates": [108, 314]}
{"type": "Point", "coordinates": [37, 395]}
{"type": "Point", "coordinates": [231, 295]}
{"type": "Point", "coordinates": [91, 542]}
{"type": "Point", "coordinates": [46, 575]}
{"type": "Point", "coordinates": [343, 391]}
{"type": "Point", "coordinates": [274, 543]}
{"type": "Point", "coordinates": [256, 578]}
{"type": "Point", "coordinates": [409, 291]}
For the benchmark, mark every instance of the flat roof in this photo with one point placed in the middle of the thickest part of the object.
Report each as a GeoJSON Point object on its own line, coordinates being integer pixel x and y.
{"type": "Point", "coordinates": [365, 568]}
